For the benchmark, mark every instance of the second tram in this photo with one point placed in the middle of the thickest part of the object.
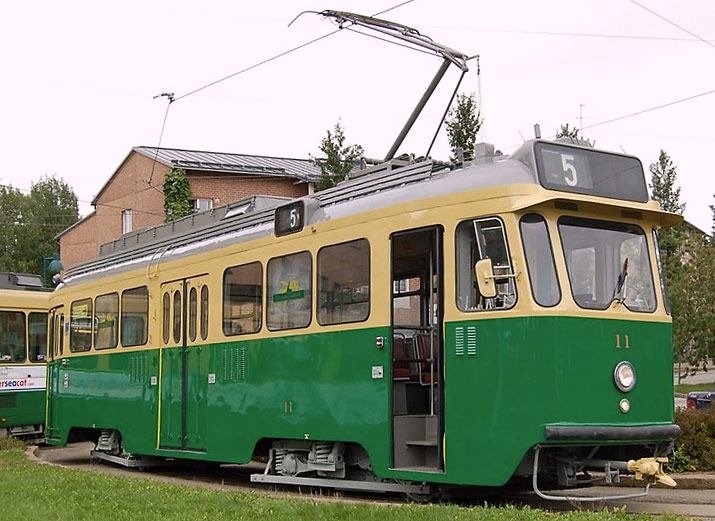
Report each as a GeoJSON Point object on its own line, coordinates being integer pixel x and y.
{"type": "Point", "coordinates": [23, 341]}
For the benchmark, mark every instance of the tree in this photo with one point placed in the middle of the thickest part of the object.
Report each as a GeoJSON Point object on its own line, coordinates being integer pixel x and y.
{"type": "Point", "coordinates": [688, 263]}
{"type": "Point", "coordinates": [31, 222]}
{"type": "Point", "coordinates": [463, 123]}
{"type": "Point", "coordinates": [573, 133]}
{"type": "Point", "coordinates": [339, 158]}
{"type": "Point", "coordinates": [565, 131]}
{"type": "Point", "coordinates": [177, 191]}
{"type": "Point", "coordinates": [663, 174]}
{"type": "Point", "coordinates": [13, 213]}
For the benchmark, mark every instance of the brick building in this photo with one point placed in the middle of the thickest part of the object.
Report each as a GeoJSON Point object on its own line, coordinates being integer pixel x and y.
{"type": "Point", "coordinates": [133, 196]}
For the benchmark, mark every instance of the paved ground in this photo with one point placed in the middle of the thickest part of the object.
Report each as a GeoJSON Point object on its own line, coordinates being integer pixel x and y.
{"type": "Point", "coordinates": [700, 377]}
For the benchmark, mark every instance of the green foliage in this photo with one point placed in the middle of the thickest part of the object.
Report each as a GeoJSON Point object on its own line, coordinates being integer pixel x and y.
{"type": "Point", "coordinates": [8, 443]}
{"type": "Point", "coordinates": [30, 222]}
{"type": "Point", "coordinates": [338, 160]}
{"type": "Point", "coordinates": [689, 263]}
{"type": "Point", "coordinates": [565, 131]}
{"type": "Point", "coordinates": [573, 133]}
{"type": "Point", "coordinates": [177, 191]}
{"type": "Point", "coordinates": [662, 184]}
{"type": "Point", "coordinates": [65, 494]}
{"type": "Point", "coordinates": [695, 447]}
{"type": "Point", "coordinates": [463, 123]}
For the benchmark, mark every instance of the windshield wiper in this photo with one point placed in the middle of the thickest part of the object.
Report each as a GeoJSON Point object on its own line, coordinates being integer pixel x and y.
{"type": "Point", "coordinates": [619, 293]}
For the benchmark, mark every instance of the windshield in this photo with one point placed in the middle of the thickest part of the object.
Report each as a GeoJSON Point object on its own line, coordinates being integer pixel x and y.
{"type": "Point", "coordinates": [607, 262]}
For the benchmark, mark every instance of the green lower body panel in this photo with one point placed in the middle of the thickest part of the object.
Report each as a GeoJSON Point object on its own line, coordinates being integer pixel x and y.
{"type": "Point", "coordinates": [504, 382]}
{"type": "Point", "coordinates": [18, 409]}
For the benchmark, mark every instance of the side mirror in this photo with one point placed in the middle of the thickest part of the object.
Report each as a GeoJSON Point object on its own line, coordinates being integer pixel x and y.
{"type": "Point", "coordinates": [484, 273]}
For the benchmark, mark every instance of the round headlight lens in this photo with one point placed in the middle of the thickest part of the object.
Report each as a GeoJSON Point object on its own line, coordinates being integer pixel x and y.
{"type": "Point", "coordinates": [625, 376]}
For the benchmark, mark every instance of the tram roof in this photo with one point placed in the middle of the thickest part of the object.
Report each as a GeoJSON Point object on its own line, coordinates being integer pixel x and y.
{"type": "Point", "coordinates": [21, 281]}
{"type": "Point", "coordinates": [377, 187]}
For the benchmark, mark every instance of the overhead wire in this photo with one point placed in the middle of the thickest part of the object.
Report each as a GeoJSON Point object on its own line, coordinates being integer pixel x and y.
{"type": "Point", "coordinates": [173, 98]}
{"type": "Point", "coordinates": [651, 11]}
{"type": "Point", "coordinates": [279, 55]}
{"type": "Point", "coordinates": [581, 35]}
{"type": "Point", "coordinates": [638, 113]}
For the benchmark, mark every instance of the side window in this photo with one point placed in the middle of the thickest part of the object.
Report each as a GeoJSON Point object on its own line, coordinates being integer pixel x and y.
{"type": "Point", "coordinates": [481, 239]}
{"type": "Point", "coordinates": [59, 334]}
{"type": "Point", "coordinates": [344, 283]}
{"type": "Point", "coordinates": [204, 312]}
{"type": "Point", "coordinates": [106, 321]}
{"type": "Point", "coordinates": [81, 325]}
{"type": "Point", "coordinates": [12, 336]}
{"type": "Point", "coordinates": [289, 298]}
{"type": "Point", "coordinates": [193, 307]}
{"type": "Point", "coordinates": [37, 325]}
{"type": "Point", "coordinates": [540, 260]}
{"type": "Point", "coordinates": [242, 299]}
{"type": "Point", "coordinates": [166, 317]}
{"type": "Point", "coordinates": [135, 316]}
{"type": "Point", "coordinates": [177, 316]}
{"type": "Point", "coordinates": [62, 333]}
{"type": "Point", "coordinates": [51, 336]}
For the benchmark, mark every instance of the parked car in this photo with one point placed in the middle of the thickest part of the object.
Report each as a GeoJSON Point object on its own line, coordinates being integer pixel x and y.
{"type": "Point", "coordinates": [700, 399]}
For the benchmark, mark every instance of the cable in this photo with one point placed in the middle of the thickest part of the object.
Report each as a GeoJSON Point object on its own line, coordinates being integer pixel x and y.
{"type": "Point", "coordinates": [651, 109]}
{"type": "Point", "coordinates": [170, 96]}
{"type": "Point", "coordinates": [280, 55]}
{"type": "Point", "coordinates": [673, 23]}
{"type": "Point", "coordinates": [251, 67]}
{"type": "Point", "coordinates": [585, 35]}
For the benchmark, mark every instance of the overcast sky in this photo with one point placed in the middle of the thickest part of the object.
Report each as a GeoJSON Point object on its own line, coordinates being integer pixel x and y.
{"type": "Point", "coordinates": [79, 79]}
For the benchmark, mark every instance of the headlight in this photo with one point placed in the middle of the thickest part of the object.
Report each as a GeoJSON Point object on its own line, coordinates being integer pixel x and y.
{"type": "Point", "coordinates": [624, 376]}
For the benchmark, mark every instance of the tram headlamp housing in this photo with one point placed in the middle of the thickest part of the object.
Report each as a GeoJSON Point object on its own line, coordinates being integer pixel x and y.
{"type": "Point", "coordinates": [624, 376]}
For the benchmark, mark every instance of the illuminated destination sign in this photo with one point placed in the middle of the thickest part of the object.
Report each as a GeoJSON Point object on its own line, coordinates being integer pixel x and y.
{"type": "Point", "coordinates": [585, 171]}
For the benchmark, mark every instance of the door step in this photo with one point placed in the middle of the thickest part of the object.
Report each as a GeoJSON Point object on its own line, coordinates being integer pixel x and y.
{"type": "Point", "coordinates": [344, 484]}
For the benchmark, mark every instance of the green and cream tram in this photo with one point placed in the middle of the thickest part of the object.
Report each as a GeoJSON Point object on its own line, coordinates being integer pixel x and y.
{"type": "Point", "coordinates": [416, 327]}
{"type": "Point", "coordinates": [23, 341]}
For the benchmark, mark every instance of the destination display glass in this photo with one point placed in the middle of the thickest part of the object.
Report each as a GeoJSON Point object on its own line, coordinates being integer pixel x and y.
{"type": "Point", "coordinates": [592, 172]}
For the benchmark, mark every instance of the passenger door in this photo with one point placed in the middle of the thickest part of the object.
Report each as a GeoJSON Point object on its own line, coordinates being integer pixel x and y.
{"type": "Point", "coordinates": [183, 385]}
{"type": "Point", "coordinates": [417, 369]}
{"type": "Point", "coordinates": [55, 350]}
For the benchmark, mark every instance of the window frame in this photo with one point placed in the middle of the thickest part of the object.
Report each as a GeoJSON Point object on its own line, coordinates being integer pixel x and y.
{"type": "Point", "coordinates": [122, 318]}
{"type": "Point", "coordinates": [127, 221]}
{"type": "Point", "coordinates": [260, 302]}
{"type": "Point", "coordinates": [166, 317]}
{"type": "Point", "coordinates": [553, 260]}
{"type": "Point", "coordinates": [309, 292]}
{"type": "Point", "coordinates": [318, 282]}
{"type": "Point", "coordinates": [204, 312]}
{"type": "Point", "coordinates": [458, 274]}
{"type": "Point", "coordinates": [23, 337]}
{"type": "Point", "coordinates": [95, 330]}
{"type": "Point", "coordinates": [72, 347]}
{"type": "Point", "coordinates": [609, 225]}
{"type": "Point", "coordinates": [177, 331]}
{"type": "Point", "coordinates": [192, 312]}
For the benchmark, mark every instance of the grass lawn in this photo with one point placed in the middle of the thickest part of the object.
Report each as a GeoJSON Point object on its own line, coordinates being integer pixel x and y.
{"type": "Point", "coordinates": [34, 491]}
{"type": "Point", "coordinates": [686, 388]}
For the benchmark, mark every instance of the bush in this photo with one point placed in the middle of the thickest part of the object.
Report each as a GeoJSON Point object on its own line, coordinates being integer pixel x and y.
{"type": "Point", "coordinates": [7, 443]}
{"type": "Point", "coordinates": [695, 448]}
